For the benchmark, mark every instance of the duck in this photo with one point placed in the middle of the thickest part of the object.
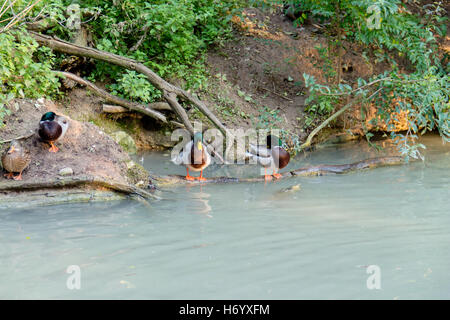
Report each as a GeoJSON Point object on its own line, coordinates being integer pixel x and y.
{"type": "Point", "coordinates": [15, 159]}
{"type": "Point", "coordinates": [194, 156]}
{"type": "Point", "coordinates": [52, 128]}
{"type": "Point", "coordinates": [271, 156]}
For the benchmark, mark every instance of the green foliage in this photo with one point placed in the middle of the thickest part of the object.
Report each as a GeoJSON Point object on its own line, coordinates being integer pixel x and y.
{"type": "Point", "coordinates": [424, 97]}
{"type": "Point", "coordinates": [268, 118]}
{"type": "Point", "coordinates": [170, 37]}
{"type": "Point", "coordinates": [20, 74]}
{"type": "Point", "coordinates": [322, 98]}
{"type": "Point", "coordinates": [134, 86]}
{"type": "Point", "coordinates": [391, 31]}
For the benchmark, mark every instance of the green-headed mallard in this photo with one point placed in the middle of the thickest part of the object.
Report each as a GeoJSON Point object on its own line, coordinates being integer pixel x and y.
{"type": "Point", "coordinates": [15, 159]}
{"type": "Point", "coordinates": [52, 128]}
{"type": "Point", "coordinates": [194, 156]}
{"type": "Point", "coordinates": [271, 156]}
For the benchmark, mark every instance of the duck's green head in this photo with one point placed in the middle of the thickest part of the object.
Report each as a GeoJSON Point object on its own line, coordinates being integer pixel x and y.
{"type": "Point", "coordinates": [48, 116]}
{"type": "Point", "coordinates": [198, 138]}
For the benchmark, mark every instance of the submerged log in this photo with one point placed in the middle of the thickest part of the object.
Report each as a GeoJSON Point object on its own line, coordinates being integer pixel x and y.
{"type": "Point", "coordinates": [317, 170]}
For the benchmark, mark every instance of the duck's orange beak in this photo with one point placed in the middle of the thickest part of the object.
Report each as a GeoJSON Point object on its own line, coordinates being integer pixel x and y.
{"type": "Point", "coordinates": [11, 150]}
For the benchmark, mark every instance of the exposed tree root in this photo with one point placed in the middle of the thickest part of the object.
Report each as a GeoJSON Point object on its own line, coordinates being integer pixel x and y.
{"type": "Point", "coordinates": [318, 170]}
{"type": "Point", "coordinates": [75, 182]}
{"type": "Point", "coordinates": [147, 110]}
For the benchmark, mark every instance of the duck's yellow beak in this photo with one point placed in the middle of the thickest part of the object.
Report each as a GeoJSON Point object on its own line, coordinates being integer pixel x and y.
{"type": "Point", "coordinates": [199, 145]}
{"type": "Point", "coordinates": [11, 150]}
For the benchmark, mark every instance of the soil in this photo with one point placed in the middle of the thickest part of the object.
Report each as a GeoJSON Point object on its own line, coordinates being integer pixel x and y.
{"type": "Point", "coordinates": [85, 148]}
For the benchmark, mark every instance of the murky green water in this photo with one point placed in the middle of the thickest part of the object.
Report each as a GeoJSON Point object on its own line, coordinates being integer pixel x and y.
{"type": "Point", "coordinates": [246, 241]}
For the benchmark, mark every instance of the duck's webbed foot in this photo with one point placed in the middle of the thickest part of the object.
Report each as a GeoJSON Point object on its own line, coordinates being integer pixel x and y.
{"type": "Point", "coordinates": [277, 175]}
{"type": "Point", "coordinates": [9, 175]}
{"type": "Point", "coordinates": [53, 148]}
{"type": "Point", "coordinates": [201, 177]}
{"type": "Point", "coordinates": [19, 177]}
{"type": "Point", "coordinates": [188, 177]}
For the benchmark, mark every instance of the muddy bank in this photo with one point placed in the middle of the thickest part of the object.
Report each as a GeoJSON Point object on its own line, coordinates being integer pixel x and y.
{"type": "Point", "coordinates": [85, 152]}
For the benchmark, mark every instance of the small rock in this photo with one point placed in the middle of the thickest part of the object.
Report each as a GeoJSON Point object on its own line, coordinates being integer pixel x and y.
{"type": "Point", "coordinates": [140, 184]}
{"type": "Point", "coordinates": [40, 100]}
{"type": "Point", "coordinates": [66, 172]}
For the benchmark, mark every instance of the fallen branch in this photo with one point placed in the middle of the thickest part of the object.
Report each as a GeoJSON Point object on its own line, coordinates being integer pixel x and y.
{"type": "Point", "coordinates": [128, 189]}
{"type": "Point", "coordinates": [318, 170]}
{"type": "Point", "coordinates": [114, 99]}
{"type": "Point", "coordinates": [19, 138]}
{"type": "Point", "coordinates": [168, 89]}
{"type": "Point", "coordinates": [334, 116]}
{"type": "Point", "coordinates": [108, 108]}
{"type": "Point", "coordinates": [308, 141]}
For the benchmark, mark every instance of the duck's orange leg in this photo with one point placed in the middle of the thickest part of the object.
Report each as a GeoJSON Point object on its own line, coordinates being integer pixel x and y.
{"type": "Point", "coordinates": [188, 177]}
{"type": "Point", "coordinates": [266, 176]}
{"type": "Point", "coordinates": [9, 175]}
{"type": "Point", "coordinates": [201, 176]}
{"type": "Point", "coordinates": [19, 177]}
{"type": "Point", "coordinates": [53, 147]}
{"type": "Point", "coordinates": [276, 175]}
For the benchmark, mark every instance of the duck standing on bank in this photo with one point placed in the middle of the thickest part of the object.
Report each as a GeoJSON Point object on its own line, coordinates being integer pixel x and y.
{"type": "Point", "coordinates": [52, 128]}
{"type": "Point", "coordinates": [271, 156]}
{"type": "Point", "coordinates": [15, 159]}
{"type": "Point", "coordinates": [194, 156]}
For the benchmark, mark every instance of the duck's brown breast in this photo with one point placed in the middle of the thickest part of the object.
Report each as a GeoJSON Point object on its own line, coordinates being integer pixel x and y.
{"type": "Point", "coordinates": [198, 159]}
{"type": "Point", "coordinates": [50, 130]}
{"type": "Point", "coordinates": [281, 157]}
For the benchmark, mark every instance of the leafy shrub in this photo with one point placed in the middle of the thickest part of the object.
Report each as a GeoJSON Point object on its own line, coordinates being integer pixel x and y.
{"type": "Point", "coordinates": [170, 37]}
{"type": "Point", "coordinates": [20, 74]}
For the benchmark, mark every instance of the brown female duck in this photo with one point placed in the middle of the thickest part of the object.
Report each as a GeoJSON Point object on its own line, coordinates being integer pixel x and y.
{"type": "Point", "coordinates": [15, 159]}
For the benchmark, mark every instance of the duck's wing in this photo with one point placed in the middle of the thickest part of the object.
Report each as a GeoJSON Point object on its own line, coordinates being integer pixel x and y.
{"type": "Point", "coordinates": [207, 155]}
{"type": "Point", "coordinates": [184, 157]}
{"type": "Point", "coordinates": [262, 161]}
{"type": "Point", "coordinates": [261, 151]}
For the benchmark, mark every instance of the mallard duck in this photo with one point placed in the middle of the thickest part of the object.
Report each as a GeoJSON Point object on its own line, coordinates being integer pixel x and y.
{"type": "Point", "coordinates": [15, 159]}
{"type": "Point", "coordinates": [271, 156]}
{"type": "Point", "coordinates": [52, 128]}
{"type": "Point", "coordinates": [194, 156]}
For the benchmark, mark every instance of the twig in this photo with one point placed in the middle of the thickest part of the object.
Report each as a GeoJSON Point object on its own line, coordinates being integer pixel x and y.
{"type": "Point", "coordinates": [18, 138]}
{"type": "Point", "coordinates": [138, 44]}
{"type": "Point", "coordinates": [281, 96]}
{"type": "Point", "coordinates": [114, 99]}
{"type": "Point", "coordinates": [334, 116]}
{"type": "Point", "coordinates": [19, 16]}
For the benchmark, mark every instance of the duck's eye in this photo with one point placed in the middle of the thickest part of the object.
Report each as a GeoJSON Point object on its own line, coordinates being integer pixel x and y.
{"type": "Point", "coordinates": [65, 121]}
